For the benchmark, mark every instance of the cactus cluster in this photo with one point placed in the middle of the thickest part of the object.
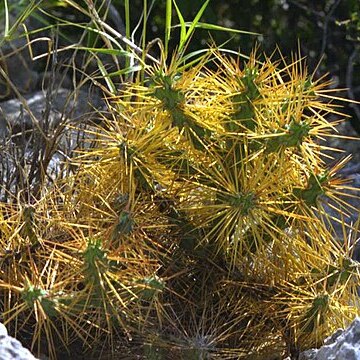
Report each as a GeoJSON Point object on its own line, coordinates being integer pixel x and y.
{"type": "Point", "coordinates": [194, 226]}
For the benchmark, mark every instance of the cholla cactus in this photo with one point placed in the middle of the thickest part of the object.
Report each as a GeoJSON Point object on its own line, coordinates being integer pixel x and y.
{"type": "Point", "coordinates": [202, 198]}
{"type": "Point", "coordinates": [247, 180]}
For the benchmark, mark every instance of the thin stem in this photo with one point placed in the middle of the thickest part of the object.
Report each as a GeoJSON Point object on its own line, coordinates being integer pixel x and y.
{"type": "Point", "coordinates": [168, 25]}
{"type": "Point", "coordinates": [143, 42]}
{"type": "Point", "coordinates": [127, 30]}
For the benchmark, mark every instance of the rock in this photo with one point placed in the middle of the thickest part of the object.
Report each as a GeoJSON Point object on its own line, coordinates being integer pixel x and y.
{"type": "Point", "coordinates": [15, 56]}
{"type": "Point", "coordinates": [351, 171]}
{"type": "Point", "coordinates": [350, 211]}
{"type": "Point", "coordinates": [48, 118]}
{"type": "Point", "coordinates": [11, 349]}
{"type": "Point", "coordinates": [342, 345]}
{"type": "Point", "coordinates": [3, 330]}
{"type": "Point", "coordinates": [49, 108]}
{"type": "Point", "coordinates": [16, 62]}
{"type": "Point", "coordinates": [308, 355]}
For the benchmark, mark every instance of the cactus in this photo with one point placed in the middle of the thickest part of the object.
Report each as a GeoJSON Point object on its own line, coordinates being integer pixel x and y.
{"type": "Point", "coordinates": [195, 223]}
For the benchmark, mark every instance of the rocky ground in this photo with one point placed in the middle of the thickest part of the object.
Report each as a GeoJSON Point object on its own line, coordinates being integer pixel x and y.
{"type": "Point", "coordinates": [11, 349]}
{"type": "Point", "coordinates": [349, 144]}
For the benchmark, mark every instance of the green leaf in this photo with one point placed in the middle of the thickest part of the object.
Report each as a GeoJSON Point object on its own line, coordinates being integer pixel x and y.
{"type": "Point", "coordinates": [105, 74]}
{"type": "Point", "coordinates": [28, 11]}
{"type": "Point", "coordinates": [182, 27]}
{"type": "Point", "coordinates": [6, 18]}
{"type": "Point", "coordinates": [185, 35]}
{"type": "Point", "coordinates": [116, 52]}
{"type": "Point", "coordinates": [196, 20]}
{"type": "Point", "coordinates": [207, 26]}
{"type": "Point", "coordinates": [128, 70]}
{"type": "Point", "coordinates": [167, 25]}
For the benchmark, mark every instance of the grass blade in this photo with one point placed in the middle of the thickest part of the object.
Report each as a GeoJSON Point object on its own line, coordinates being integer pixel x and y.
{"type": "Point", "coordinates": [185, 35]}
{"type": "Point", "coordinates": [207, 26]}
{"type": "Point", "coordinates": [182, 27]}
{"type": "Point", "coordinates": [115, 52]}
{"type": "Point", "coordinates": [28, 11]}
{"type": "Point", "coordinates": [6, 18]}
{"type": "Point", "coordinates": [104, 73]}
{"type": "Point", "coordinates": [196, 19]}
{"type": "Point", "coordinates": [127, 29]}
{"type": "Point", "coordinates": [168, 24]}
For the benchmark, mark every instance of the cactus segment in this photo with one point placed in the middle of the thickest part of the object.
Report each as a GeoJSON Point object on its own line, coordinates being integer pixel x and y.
{"type": "Point", "coordinates": [294, 136]}
{"type": "Point", "coordinates": [125, 224]}
{"type": "Point", "coordinates": [32, 294]}
{"type": "Point", "coordinates": [151, 287]}
{"type": "Point", "coordinates": [95, 260]}
{"type": "Point", "coordinates": [244, 113]}
{"type": "Point", "coordinates": [170, 97]}
{"type": "Point", "coordinates": [242, 201]}
{"type": "Point", "coordinates": [315, 315]}
{"type": "Point", "coordinates": [340, 275]}
{"type": "Point", "coordinates": [313, 190]}
{"type": "Point", "coordinates": [29, 224]}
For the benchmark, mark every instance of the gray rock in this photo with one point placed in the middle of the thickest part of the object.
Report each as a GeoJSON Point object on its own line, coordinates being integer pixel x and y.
{"type": "Point", "coordinates": [3, 330]}
{"type": "Point", "coordinates": [21, 73]}
{"type": "Point", "coordinates": [16, 62]}
{"type": "Point", "coordinates": [48, 108]}
{"type": "Point", "coordinates": [308, 355]}
{"type": "Point", "coordinates": [342, 345]}
{"type": "Point", "coordinates": [23, 124]}
{"type": "Point", "coordinates": [11, 349]}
